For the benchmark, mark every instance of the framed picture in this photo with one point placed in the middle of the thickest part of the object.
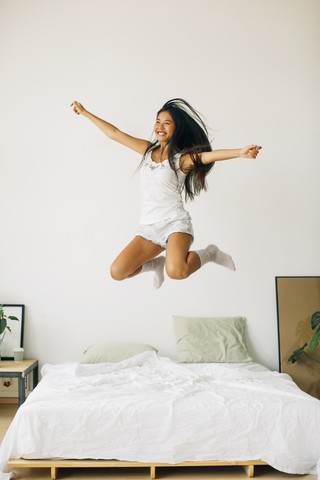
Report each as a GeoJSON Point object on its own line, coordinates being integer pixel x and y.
{"type": "Point", "coordinates": [298, 299]}
{"type": "Point", "coordinates": [14, 338]}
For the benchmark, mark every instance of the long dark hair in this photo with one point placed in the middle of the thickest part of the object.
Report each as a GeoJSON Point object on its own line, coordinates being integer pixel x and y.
{"type": "Point", "coordinates": [190, 137]}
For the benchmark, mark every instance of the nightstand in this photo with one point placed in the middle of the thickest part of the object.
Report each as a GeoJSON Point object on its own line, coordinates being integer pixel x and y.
{"type": "Point", "coordinates": [20, 370]}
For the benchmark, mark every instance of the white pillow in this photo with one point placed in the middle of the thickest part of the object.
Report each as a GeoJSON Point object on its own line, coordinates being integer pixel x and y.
{"type": "Point", "coordinates": [114, 351]}
{"type": "Point", "coordinates": [211, 340]}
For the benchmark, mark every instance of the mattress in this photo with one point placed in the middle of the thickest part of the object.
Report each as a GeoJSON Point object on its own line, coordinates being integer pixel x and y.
{"type": "Point", "coordinates": [151, 409]}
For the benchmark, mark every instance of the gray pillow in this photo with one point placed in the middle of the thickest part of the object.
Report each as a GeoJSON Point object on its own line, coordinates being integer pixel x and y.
{"type": "Point", "coordinates": [211, 340]}
{"type": "Point", "coordinates": [114, 351]}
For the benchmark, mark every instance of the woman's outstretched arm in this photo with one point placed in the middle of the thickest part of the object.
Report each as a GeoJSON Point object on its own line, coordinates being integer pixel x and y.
{"type": "Point", "coordinates": [137, 144]}
{"type": "Point", "coordinates": [251, 151]}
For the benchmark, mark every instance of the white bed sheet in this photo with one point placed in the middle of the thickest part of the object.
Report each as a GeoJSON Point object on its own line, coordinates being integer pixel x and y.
{"type": "Point", "coordinates": [151, 409]}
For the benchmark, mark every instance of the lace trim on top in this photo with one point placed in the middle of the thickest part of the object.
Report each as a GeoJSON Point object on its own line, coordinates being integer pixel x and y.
{"type": "Point", "coordinates": [154, 165]}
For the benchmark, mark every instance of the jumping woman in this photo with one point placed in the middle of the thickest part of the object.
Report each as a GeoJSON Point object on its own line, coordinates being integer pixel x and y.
{"type": "Point", "coordinates": [179, 159]}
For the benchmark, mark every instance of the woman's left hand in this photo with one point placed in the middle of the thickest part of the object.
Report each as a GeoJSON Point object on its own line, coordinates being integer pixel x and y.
{"type": "Point", "coordinates": [251, 151]}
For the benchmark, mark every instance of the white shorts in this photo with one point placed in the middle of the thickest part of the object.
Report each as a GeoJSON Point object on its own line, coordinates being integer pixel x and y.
{"type": "Point", "coordinates": [158, 233]}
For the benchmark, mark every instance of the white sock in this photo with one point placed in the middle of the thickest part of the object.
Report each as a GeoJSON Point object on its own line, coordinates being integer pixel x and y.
{"type": "Point", "coordinates": [156, 265]}
{"type": "Point", "coordinates": [213, 254]}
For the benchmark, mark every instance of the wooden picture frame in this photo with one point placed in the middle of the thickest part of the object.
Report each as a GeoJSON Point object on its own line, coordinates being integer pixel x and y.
{"type": "Point", "coordinates": [298, 298]}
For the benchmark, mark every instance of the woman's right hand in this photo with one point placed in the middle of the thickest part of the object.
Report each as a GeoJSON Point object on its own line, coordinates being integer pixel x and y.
{"type": "Point", "coordinates": [78, 108]}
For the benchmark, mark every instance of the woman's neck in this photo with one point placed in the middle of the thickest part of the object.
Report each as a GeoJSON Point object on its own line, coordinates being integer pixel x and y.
{"type": "Point", "coordinates": [163, 150]}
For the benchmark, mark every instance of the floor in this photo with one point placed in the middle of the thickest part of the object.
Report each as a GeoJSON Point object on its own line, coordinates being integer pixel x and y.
{"type": "Point", "coordinates": [7, 413]}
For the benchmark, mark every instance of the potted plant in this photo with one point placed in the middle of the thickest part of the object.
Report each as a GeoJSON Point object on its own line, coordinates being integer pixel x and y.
{"type": "Point", "coordinates": [315, 323]}
{"type": "Point", "coordinates": [4, 324]}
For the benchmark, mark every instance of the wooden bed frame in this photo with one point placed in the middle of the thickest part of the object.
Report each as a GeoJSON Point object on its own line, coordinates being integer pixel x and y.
{"type": "Point", "coordinates": [55, 464]}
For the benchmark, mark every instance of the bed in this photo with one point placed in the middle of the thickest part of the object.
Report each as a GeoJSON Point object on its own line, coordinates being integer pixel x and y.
{"type": "Point", "coordinates": [148, 410]}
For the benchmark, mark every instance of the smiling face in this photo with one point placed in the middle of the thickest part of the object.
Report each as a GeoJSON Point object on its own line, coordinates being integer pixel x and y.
{"type": "Point", "coordinates": [164, 127]}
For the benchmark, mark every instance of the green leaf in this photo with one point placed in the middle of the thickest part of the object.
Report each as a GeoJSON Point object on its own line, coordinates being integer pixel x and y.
{"type": "Point", "coordinates": [3, 324]}
{"type": "Point", "coordinates": [314, 341]}
{"type": "Point", "coordinates": [9, 328]}
{"type": "Point", "coordinates": [297, 353]}
{"type": "Point", "coordinates": [13, 318]}
{"type": "Point", "coordinates": [315, 320]}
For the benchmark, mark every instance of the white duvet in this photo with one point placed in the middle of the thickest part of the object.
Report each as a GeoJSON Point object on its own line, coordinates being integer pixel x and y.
{"type": "Point", "coordinates": [151, 409]}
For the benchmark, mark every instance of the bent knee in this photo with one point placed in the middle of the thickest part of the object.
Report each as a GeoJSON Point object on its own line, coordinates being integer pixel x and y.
{"type": "Point", "coordinates": [177, 272]}
{"type": "Point", "coordinates": [116, 272]}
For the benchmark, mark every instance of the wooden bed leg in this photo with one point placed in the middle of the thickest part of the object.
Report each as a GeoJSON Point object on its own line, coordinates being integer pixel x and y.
{"type": "Point", "coordinates": [152, 472]}
{"type": "Point", "coordinates": [54, 473]}
{"type": "Point", "coordinates": [249, 469]}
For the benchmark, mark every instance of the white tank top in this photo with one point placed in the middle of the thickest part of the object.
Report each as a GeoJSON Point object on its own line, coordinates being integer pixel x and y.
{"type": "Point", "coordinates": [161, 191]}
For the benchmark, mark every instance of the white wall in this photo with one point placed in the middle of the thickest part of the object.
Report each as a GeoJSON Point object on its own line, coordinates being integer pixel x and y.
{"type": "Point", "coordinates": [69, 203]}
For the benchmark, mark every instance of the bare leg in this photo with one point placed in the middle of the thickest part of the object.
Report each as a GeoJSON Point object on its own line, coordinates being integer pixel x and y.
{"type": "Point", "coordinates": [180, 263]}
{"type": "Point", "coordinates": [129, 261]}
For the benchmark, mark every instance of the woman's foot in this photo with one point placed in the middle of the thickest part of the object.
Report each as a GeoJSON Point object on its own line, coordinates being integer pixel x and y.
{"type": "Point", "coordinates": [213, 254]}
